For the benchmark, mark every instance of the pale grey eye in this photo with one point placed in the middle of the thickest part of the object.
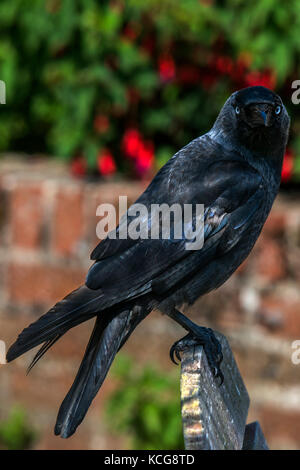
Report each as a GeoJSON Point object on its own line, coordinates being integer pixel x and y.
{"type": "Point", "coordinates": [237, 110]}
{"type": "Point", "coordinates": [278, 110]}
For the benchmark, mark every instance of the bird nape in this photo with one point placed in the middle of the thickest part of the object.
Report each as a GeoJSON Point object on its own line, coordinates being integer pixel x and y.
{"type": "Point", "coordinates": [234, 170]}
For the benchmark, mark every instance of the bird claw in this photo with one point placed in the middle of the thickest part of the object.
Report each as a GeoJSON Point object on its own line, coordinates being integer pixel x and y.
{"type": "Point", "coordinates": [174, 351]}
{"type": "Point", "coordinates": [217, 373]}
{"type": "Point", "coordinates": [212, 348]}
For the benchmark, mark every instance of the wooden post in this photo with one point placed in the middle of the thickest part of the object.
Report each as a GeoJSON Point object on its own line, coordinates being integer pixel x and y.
{"type": "Point", "coordinates": [214, 417]}
{"type": "Point", "coordinates": [254, 438]}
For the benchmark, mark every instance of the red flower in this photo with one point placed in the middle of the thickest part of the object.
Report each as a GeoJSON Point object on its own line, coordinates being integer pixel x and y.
{"type": "Point", "coordinates": [78, 166]}
{"type": "Point", "coordinates": [131, 143]}
{"type": "Point", "coordinates": [288, 164]}
{"type": "Point", "coordinates": [266, 78]}
{"type": "Point", "coordinates": [101, 123]}
{"type": "Point", "coordinates": [166, 67]}
{"type": "Point", "coordinates": [135, 148]}
{"type": "Point", "coordinates": [106, 163]}
{"type": "Point", "coordinates": [224, 64]}
{"type": "Point", "coordinates": [145, 157]}
{"type": "Point", "coordinates": [239, 70]}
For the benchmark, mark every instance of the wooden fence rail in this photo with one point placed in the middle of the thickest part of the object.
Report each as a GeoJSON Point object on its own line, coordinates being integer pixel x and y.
{"type": "Point", "coordinates": [214, 417]}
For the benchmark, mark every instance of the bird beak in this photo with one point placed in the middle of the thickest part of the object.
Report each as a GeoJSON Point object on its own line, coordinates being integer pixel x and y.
{"type": "Point", "coordinates": [264, 116]}
{"type": "Point", "coordinates": [261, 115]}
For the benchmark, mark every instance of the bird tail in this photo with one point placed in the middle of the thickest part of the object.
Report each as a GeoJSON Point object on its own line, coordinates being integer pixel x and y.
{"type": "Point", "coordinates": [101, 350]}
{"type": "Point", "coordinates": [112, 329]}
{"type": "Point", "coordinates": [77, 307]}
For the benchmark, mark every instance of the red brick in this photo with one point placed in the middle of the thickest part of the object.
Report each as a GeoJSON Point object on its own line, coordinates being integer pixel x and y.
{"type": "Point", "coordinates": [275, 224]}
{"type": "Point", "coordinates": [288, 310]}
{"type": "Point", "coordinates": [106, 193]}
{"type": "Point", "coordinates": [26, 215]}
{"type": "Point", "coordinates": [280, 424]}
{"type": "Point", "coordinates": [270, 262]}
{"type": "Point", "coordinates": [242, 269]}
{"type": "Point", "coordinates": [37, 284]}
{"type": "Point", "coordinates": [68, 220]}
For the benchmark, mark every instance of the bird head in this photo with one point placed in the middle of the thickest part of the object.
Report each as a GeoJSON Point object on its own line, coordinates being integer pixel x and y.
{"type": "Point", "coordinates": [256, 118]}
{"type": "Point", "coordinates": [257, 108]}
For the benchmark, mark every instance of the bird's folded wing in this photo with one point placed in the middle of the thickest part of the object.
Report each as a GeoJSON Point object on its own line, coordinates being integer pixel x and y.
{"type": "Point", "coordinates": [231, 191]}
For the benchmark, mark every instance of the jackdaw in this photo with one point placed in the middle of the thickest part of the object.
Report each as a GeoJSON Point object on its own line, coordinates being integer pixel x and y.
{"type": "Point", "coordinates": [234, 170]}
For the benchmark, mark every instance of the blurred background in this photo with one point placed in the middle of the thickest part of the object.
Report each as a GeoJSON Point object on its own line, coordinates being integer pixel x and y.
{"type": "Point", "coordinates": [99, 95]}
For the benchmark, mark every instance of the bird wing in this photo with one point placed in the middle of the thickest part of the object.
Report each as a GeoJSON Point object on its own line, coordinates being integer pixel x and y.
{"type": "Point", "coordinates": [231, 191]}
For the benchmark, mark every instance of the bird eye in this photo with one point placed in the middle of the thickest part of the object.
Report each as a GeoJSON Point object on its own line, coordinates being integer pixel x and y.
{"type": "Point", "coordinates": [277, 109]}
{"type": "Point", "coordinates": [237, 110]}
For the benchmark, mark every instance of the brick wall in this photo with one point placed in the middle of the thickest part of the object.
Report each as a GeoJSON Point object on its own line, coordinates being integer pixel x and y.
{"type": "Point", "coordinates": [47, 231]}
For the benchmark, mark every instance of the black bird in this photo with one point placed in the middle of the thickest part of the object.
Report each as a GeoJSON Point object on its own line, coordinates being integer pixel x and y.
{"type": "Point", "coordinates": [234, 170]}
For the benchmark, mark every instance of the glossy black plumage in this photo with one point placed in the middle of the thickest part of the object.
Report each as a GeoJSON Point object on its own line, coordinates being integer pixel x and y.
{"type": "Point", "coordinates": [234, 170]}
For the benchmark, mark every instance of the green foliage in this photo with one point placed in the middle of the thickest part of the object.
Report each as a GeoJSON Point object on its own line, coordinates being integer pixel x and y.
{"type": "Point", "coordinates": [145, 406]}
{"type": "Point", "coordinates": [153, 65]}
{"type": "Point", "coordinates": [15, 433]}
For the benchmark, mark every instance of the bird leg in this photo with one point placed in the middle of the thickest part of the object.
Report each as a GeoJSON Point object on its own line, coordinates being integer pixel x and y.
{"type": "Point", "coordinates": [198, 335]}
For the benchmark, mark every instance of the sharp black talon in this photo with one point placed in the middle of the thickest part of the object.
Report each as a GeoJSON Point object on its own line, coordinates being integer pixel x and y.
{"type": "Point", "coordinates": [174, 352]}
{"type": "Point", "coordinates": [172, 355]}
{"type": "Point", "coordinates": [177, 354]}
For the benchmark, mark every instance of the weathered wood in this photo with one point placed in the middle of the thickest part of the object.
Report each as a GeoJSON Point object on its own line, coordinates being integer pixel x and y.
{"type": "Point", "coordinates": [214, 417]}
{"type": "Point", "coordinates": [254, 438]}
